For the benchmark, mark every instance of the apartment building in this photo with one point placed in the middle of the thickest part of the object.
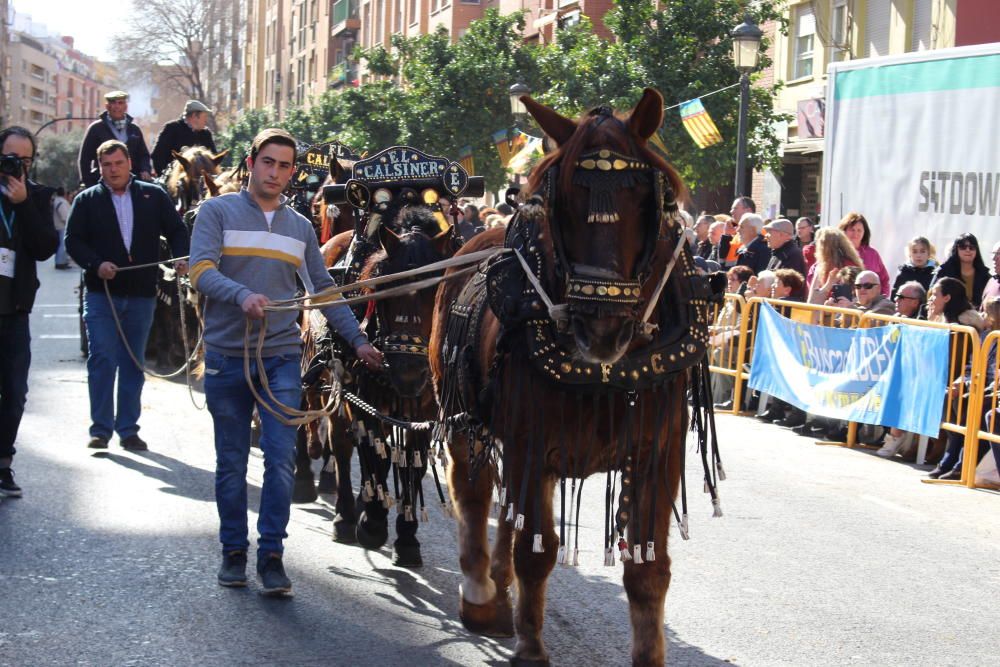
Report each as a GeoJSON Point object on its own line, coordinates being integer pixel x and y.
{"type": "Point", "coordinates": [32, 81]}
{"type": "Point", "coordinates": [295, 50]}
{"type": "Point", "coordinates": [287, 52]}
{"type": "Point", "coordinates": [821, 32]}
{"type": "Point", "coordinates": [79, 93]}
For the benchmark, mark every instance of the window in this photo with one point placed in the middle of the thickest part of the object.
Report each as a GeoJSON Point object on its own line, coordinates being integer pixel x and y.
{"type": "Point", "coordinates": [802, 42]}
{"type": "Point", "coordinates": [840, 46]}
{"type": "Point", "coordinates": [413, 12]}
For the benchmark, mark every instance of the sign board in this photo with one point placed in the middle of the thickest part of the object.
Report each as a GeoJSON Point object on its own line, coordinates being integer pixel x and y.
{"type": "Point", "coordinates": [313, 164]}
{"type": "Point", "coordinates": [912, 143]}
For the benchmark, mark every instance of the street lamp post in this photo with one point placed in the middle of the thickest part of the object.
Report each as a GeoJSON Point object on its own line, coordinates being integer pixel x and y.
{"type": "Point", "coordinates": [746, 47]}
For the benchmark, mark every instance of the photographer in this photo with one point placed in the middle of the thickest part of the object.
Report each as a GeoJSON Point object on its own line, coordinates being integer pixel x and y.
{"type": "Point", "coordinates": [26, 236]}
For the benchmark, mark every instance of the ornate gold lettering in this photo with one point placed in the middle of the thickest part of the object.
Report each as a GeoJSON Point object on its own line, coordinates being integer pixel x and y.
{"type": "Point", "coordinates": [605, 373]}
{"type": "Point", "coordinates": [655, 360]}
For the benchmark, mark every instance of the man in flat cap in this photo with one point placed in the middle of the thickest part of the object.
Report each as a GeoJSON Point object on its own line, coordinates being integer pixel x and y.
{"type": "Point", "coordinates": [189, 130]}
{"type": "Point", "coordinates": [114, 124]}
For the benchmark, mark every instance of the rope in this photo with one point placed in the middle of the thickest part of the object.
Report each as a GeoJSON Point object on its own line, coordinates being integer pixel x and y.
{"type": "Point", "coordinates": [180, 302]}
{"type": "Point", "coordinates": [325, 297]}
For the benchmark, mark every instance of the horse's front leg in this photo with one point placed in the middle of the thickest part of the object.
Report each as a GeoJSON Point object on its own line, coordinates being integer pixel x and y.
{"type": "Point", "coordinates": [478, 594]}
{"type": "Point", "coordinates": [646, 584]}
{"type": "Point", "coordinates": [533, 569]}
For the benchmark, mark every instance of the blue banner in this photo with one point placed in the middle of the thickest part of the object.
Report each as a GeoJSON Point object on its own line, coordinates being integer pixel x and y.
{"type": "Point", "coordinates": [894, 375]}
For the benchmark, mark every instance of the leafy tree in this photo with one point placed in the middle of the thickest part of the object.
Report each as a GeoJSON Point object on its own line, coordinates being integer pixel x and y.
{"type": "Point", "coordinates": [238, 136]}
{"type": "Point", "coordinates": [683, 49]}
{"type": "Point", "coordinates": [440, 96]}
{"type": "Point", "coordinates": [55, 164]}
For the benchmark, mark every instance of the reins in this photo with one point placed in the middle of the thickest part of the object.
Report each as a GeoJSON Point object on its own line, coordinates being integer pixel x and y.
{"type": "Point", "coordinates": [295, 416]}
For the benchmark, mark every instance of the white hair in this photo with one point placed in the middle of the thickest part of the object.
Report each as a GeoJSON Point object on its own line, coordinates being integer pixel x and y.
{"type": "Point", "coordinates": [754, 220]}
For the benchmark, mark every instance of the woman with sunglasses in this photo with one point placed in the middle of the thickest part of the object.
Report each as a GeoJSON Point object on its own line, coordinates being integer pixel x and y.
{"type": "Point", "coordinates": [965, 264]}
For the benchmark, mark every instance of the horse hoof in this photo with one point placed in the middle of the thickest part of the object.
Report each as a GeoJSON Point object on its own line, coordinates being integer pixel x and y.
{"type": "Point", "coordinates": [304, 491]}
{"type": "Point", "coordinates": [529, 662]}
{"type": "Point", "coordinates": [493, 619]}
{"type": "Point", "coordinates": [372, 535]}
{"type": "Point", "coordinates": [407, 555]}
{"type": "Point", "coordinates": [344, 531]}
{"type": "Point", "coordinates": [327, 482]}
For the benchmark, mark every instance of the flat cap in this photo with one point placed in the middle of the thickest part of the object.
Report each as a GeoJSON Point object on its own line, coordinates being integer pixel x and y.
{"type": "Point", "coordinates": [194, 105]}
{"type": "Point", "coordinates": [116, 95]}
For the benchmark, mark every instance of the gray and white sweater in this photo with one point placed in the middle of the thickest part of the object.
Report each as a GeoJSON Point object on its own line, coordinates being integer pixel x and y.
{"type": "Point", "coordinates": [235, 253]}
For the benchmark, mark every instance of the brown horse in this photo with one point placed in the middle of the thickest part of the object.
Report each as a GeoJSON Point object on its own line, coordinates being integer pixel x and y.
{"type": "Point", "coordinates": [594, 383]}
{"type": "Point", "coordinates": [185, 176]}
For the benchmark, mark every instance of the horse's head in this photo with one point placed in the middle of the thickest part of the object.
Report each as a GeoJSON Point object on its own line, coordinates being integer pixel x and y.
{"type": "Point", "coordinates": [606, 195]}
{"type": "Point", "coordinates": [404, 322]}
{"type": "Point", "coordinates": [185, 177]}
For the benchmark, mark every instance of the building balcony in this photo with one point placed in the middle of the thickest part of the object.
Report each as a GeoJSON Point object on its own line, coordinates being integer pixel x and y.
{"type": "Point", "coordinates": [345, 17]}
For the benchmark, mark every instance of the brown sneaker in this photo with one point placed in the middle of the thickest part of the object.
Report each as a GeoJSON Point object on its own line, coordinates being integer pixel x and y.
{"type": "Point", "coordinates": [97, 442]}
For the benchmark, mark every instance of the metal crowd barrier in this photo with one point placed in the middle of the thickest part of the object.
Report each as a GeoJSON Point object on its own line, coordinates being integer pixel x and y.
{"type": "Point", "coordinates": [966, 397]}
{"type": "Point", "coordinates": [986, 392]}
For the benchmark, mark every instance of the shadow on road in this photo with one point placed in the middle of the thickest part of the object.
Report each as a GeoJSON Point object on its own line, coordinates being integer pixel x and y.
{"type": "Point", "coordinates": [181, 479]}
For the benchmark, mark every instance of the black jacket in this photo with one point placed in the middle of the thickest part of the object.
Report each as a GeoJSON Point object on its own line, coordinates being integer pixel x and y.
{"type": "Point", "coordinates": [788, 256]}
{"type": "Point", "coordinates": [704, 249]}
{"type": "Point", "coordinates": [922, 274]}
{"type": "Point", "coordinates": [952, 269]}
{"type": "Point", "coordinates": [99, 132]}
{"type": "Point", "coordinates": [174, 136]}
{"type": "Point", "coordinates": [755, 254]}
{"type": "Point", "coordinates": [35, 240]}
{"type": "Point", "coordinates": [93, 236]}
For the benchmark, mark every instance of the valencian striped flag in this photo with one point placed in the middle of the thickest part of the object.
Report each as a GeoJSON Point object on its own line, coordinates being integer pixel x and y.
{"type": "Point", "coordinates": [465, 159]}
{"type": "Point", "coordinates": [508, 143]}
{"type": "Point", "coordinates": [699, 124]}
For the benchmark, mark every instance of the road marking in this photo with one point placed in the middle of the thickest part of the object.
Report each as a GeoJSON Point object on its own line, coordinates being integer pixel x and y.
{"type": "Point", "coordinates": [66, 315]}
{"type": "Point", "coordinates": [57, 305]}
{"type": "Point", "coordinates": [890, 505]}
{"type": "Point", "coordinates": [61, 336]}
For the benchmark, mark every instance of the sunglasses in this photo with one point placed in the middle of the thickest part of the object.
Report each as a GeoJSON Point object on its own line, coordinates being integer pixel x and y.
{"type": "Point", "coordinates": [900, 297]}
{"type": "Point", "coordinates": [858, 286]}
{"type": "Point", "coordinates": [966, 246]}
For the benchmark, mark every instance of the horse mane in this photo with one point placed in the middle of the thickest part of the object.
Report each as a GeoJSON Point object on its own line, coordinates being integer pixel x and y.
{"type": "Point", "coordinates": [571, 150]}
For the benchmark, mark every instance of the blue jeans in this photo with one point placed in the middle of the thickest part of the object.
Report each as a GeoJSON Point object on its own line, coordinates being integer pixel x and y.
{"type": "Point", "coordinates": [15, 358]}
{"type": "Point", "coordinates": [109, 358]}
{"type": "Point", "coordinates": [231, 405]}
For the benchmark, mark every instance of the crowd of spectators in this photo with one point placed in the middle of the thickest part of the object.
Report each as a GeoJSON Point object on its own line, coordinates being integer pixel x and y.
{"type": "Point", "coordinates": [839, 265]}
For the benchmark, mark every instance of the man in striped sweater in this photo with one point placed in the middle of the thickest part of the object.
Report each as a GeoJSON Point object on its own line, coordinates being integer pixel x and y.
{"type": "Point", "coordinates": [245, 251]}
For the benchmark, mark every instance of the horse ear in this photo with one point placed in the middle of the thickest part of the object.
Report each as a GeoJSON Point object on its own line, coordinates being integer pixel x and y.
{"type": "Point", "coordinates": [647, 116]}
{"type": "Point", "coordinates": [210, 185]}
{"type": "Point", "coordinates": [552, 123]}
{"type": "Point", "coordinates": [390, 240]}
{"type": "Point", "coordinates": [443, 243]}
{"type": "Point", "coordinates": [219, 157]}
{"type": "Point", "coordinates": [180, 158]}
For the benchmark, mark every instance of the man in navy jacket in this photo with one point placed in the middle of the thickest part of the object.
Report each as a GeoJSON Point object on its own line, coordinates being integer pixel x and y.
{"type": "Point", "coordinates": [115, 224]}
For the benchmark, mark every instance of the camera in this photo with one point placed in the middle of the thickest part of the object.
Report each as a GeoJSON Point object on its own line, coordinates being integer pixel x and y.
{"type": "Point", "coordinates": [11, 165]}
{"type": "Point", "coordinates": [841, 290]}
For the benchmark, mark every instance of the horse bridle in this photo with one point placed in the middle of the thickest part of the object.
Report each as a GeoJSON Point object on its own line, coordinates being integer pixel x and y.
{"type": "Point", "coordinates": [591, 289]}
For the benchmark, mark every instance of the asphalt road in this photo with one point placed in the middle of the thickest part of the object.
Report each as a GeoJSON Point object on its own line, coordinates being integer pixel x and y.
{"type": "Point", "coordinates": [825, 556]}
